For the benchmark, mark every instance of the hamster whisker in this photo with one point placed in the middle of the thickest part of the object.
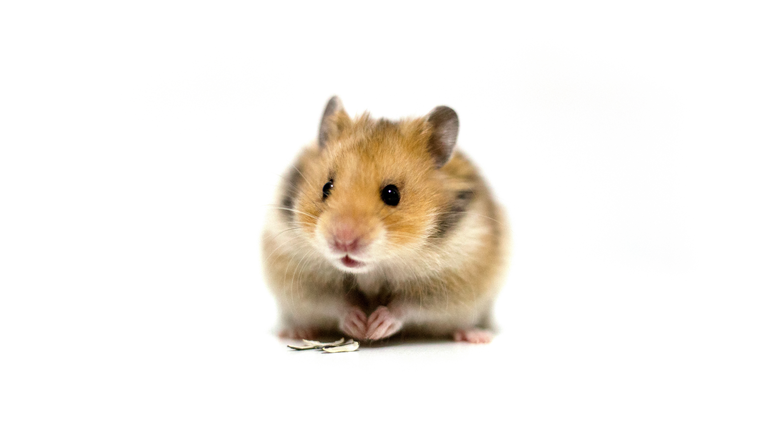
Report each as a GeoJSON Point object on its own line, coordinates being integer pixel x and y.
{"type": "Point", "coordinates": [292, 187]}
{"type": "Point", "coordinates": [300, 224]}
{"type": "Point", "coordinates": [295, 211]}
{"type": "Point", "coordinates": [408, 267]}
{"type": "Point", "coordinates": [427, 260]}
{"type": "Point", "coordinates": [388, 215]}
{"type": "Point", "coordinates": [266, 260]}
{"type": "Point", "coordinates": [283, 231]}
{"type": "Point", "coordinates": [470, 213]}
{"type": "Point", "coordinates": [405, 236]}
{"type": "Point", "coordinates": [302, 273]}
{"type": "Point", "coordinates": [295, 225]}
{"type": "Point", "coordinates": [409, 236]}
{"type": "Point", "coordinates": [285, 279]}
{"type": "Point", "coordinates": [302, 175]}
{"type": "Point", "coordinates": [298, 266]}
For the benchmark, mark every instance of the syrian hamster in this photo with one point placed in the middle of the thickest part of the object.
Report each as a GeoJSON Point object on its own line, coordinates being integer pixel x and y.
{"type": "Point", "coordinates": [383, 227]}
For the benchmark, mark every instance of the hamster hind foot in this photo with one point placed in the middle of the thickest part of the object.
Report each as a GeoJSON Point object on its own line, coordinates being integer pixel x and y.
{"type": "Point", "coordinates": [473, 335]}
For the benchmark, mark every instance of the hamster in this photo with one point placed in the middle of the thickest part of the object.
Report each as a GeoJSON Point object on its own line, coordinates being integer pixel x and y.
{"type": "Point", "coordinates": [383, 227]}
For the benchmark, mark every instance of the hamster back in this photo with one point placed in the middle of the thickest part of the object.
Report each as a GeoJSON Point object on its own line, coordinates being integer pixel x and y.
{"type": "Point", "coordinates": [383, 227]}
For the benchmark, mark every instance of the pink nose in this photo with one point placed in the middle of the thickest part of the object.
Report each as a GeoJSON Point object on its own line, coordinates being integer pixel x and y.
{"type": "Point", "coordinates": [345, 238]}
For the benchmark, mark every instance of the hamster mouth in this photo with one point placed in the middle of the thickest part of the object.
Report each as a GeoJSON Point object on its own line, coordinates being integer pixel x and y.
{"type": "Point", "coordinates": [349, 262]}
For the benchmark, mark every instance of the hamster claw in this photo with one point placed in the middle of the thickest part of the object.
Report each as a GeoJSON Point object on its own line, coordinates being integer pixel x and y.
{"type": "Point", "coordinates": [382, 323]}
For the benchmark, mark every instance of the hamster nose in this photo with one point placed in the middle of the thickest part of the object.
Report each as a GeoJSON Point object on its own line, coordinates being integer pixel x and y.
{"type": "Point", "coordinates": [345, 239]}
{"type": "Point", "coordinates": [341, 245]}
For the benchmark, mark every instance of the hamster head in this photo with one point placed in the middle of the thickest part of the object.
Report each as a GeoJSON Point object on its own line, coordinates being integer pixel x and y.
{"type": "Point", "coordinates": [372, 191]}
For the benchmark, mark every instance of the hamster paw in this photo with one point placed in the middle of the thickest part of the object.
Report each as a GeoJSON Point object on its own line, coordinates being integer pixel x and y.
{"type": "Point", "coordinates": [473, 335]}
{"type": "Point", "coordinates": [382, 323]}
{"type": "Point", "coordinates": [297, 333]}
{"type": "Point", "coordinates": [354, 323]}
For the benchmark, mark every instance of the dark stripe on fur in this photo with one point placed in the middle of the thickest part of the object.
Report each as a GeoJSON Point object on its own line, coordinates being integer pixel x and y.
{"type": "Point", "coordinates": [495, 225]}
{"type": "Point", "coordinates": [453, 215]}
{"type": "Point", "coordinates": [291, 189]}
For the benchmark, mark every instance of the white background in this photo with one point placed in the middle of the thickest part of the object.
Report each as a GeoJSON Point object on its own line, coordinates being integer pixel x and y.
{"type": "Point", "coordinates": [141, 142]}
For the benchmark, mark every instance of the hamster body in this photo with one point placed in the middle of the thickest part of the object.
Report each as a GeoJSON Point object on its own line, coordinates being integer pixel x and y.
{"type": "Point", "coordinates": [381, 227]}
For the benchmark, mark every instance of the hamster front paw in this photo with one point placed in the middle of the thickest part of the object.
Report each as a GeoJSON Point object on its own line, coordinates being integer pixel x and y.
{"type": "Point", "coordinates": [382, 323]}
{"type": "Point", "coordinates": [355, 323]}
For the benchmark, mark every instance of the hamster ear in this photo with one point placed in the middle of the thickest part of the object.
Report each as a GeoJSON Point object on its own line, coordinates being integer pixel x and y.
{"type": "Point", "coordinates": [445, 129]}
{"type": "Point", "coordinates": [335, 119]}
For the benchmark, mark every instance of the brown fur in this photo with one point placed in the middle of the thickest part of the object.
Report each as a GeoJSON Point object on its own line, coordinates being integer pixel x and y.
{"type": "Point", "coordinates": [439, 254]}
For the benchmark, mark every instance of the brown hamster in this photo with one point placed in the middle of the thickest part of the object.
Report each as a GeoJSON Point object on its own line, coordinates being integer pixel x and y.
{"type": "Point", "coordinates": [382, 227]}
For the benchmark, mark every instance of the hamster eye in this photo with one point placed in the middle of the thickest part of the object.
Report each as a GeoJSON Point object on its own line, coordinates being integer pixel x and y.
{"type": "Point", "coordinates": [327, 189]}
{"type": "Point", "coordinates": [390, 195]}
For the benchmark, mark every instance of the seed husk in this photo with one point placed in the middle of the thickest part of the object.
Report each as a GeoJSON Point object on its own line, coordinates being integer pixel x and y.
{"type": "Point", "coordinates": [347, 347]}
{"type": "Point", "coordinates": [310, 344]}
